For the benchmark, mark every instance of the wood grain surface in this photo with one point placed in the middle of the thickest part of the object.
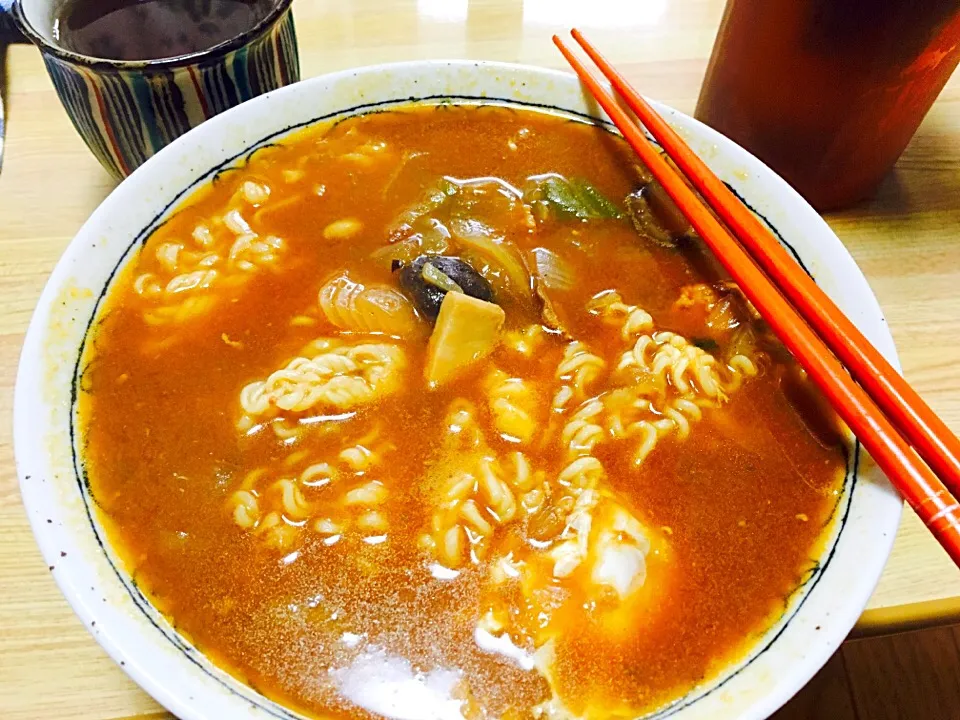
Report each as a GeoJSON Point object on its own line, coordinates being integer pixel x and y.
{"type": "Point", "coordinates": [910, 676]}
{"type": "Point", "coordinates": [905, 240]}
{"type": "Point", "coordinates": [913, 675]}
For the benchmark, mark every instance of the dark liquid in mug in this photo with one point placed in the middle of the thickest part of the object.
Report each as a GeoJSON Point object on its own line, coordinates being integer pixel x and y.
{"type": "Point", "coordinates": [153, 29]}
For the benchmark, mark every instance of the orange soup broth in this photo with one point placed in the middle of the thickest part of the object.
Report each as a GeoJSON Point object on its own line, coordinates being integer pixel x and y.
{"type": "Point", "coordinates": [741, 505]}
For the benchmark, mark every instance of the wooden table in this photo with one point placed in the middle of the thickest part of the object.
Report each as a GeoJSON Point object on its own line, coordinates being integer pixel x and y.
{"type": "Point", "coordinates": [905, 241]}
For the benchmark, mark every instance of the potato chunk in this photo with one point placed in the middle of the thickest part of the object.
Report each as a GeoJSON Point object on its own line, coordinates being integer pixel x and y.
{"type": "Point", "coordinates": [467, 330]}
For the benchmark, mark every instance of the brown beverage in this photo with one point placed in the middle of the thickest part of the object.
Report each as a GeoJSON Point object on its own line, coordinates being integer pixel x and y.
{"type": "Point", "coordinates": [153, 29]}
{"type": "Point", "coordinates": [829, 92]}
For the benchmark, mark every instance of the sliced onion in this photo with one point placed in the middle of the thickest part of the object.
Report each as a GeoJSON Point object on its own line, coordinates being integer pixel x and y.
{"type": "Point", "coordinates": [556, 273]}
{"type": "Point", "coordinates": [434, 240]}
{"type": "Point", "coordinates": [404, 252]}
{"type": "Point", "coordinates": [438, 278]}
{"type": "Point", "coordinates": [478, 238]}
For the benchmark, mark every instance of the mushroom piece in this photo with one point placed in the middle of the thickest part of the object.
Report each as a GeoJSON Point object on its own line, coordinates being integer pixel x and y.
{"type": "Point", "coordinates": [429, 278]}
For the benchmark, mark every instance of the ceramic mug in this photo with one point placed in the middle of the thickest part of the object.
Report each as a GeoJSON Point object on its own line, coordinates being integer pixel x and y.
{"type": "Point", "coordinates": [126, 110]}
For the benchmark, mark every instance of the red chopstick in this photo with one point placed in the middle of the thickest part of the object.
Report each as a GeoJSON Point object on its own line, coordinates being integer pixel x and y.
{"type": "Point", "coordinates": [880, 436]}
{"type": "Point", "coordinates": [920, 425]}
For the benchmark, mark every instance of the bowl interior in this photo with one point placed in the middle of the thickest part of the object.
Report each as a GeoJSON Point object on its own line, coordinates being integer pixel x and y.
{"type": "Point", "coordinates": [49, 458]}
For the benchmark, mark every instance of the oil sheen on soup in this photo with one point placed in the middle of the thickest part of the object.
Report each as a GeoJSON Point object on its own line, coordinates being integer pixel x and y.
{"type": "Point", "coordinates": [444, 412]}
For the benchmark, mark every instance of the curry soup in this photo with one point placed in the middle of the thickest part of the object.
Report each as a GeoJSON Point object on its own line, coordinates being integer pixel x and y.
{"type": "Point", "coordinates": [442, 412]}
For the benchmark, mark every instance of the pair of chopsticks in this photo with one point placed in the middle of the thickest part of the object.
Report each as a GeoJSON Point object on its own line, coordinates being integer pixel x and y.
{"type": "Point", "coordinates": [893, 423]}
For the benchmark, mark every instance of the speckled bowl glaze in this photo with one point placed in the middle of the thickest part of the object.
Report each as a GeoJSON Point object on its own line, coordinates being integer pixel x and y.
{"type": "Point", "coordinates": [779, 661]}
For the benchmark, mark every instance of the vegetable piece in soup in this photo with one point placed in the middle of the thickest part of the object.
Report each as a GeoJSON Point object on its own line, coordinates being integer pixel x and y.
{"type": "Point", "coordinates": [427, 413]}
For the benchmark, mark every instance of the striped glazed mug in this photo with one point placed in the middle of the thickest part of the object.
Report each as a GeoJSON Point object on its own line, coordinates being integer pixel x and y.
{"type": "Point", "coordinates": [126, 110]}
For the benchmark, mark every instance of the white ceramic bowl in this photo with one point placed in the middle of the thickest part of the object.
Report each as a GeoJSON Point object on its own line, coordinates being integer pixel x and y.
{"type": "Point", "coordinates": [820, 613]}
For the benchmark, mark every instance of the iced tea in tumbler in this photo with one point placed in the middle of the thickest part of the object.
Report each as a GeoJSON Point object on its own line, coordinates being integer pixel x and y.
{"type": "Point", "coordinates": [829, 92]}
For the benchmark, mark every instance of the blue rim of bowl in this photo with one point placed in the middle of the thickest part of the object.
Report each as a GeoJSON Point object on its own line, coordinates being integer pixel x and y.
{"type": "Point", "coordinates": [211, 54]}
{"type": "Point", "coordinates": [809, 578]}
